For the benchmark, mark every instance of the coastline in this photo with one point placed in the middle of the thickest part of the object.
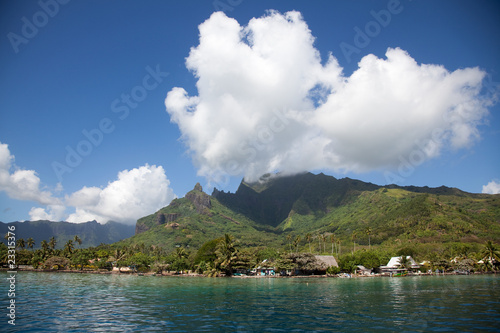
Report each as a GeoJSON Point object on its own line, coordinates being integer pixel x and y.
{"type": "Point", "coordinates": [192, 274]}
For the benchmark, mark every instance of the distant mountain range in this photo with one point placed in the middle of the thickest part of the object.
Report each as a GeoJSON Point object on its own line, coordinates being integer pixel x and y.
{"type": "Point", "coordinates": [91, 233]}
{"type": "Point", "coordinates": [277, 209]}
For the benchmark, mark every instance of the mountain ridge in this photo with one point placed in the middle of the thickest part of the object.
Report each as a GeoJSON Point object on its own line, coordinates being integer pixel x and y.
{"type": "Point", "coordinates": [320, 204]}
{"type": "Point", "coordinates": [91, 233]}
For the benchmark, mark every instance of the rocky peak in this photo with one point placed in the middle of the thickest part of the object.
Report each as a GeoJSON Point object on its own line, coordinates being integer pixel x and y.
{"type": "Point", "coordinates": [198, 187]}
{"type": "Point", "coordinates": [200, 199]}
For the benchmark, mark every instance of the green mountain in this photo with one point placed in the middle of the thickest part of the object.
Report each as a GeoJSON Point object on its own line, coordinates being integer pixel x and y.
{"type": "Point", "coordinates": [91, 233]}
{"type": "Point", "coordinates": [266, 212]}
{"type": "Point", "coordinates": [195, 219]}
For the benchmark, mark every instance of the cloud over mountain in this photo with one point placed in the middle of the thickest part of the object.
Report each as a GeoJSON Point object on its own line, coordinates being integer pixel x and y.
{"type": "Point", "coordinates": [267, 102]}
{"type": "Point", "coordinates": [491, 188]}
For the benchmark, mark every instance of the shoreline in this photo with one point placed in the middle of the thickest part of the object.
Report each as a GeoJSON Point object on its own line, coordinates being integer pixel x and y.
{"type": "Point", "coordinates": [172, 274]}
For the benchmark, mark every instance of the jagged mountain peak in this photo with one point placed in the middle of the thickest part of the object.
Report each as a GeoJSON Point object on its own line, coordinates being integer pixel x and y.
{"type": "Point", "coordinates": [318, 204]}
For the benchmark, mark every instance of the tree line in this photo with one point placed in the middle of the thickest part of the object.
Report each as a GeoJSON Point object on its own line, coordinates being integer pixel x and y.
{"type": "Point", "coordinates": [224, 257]}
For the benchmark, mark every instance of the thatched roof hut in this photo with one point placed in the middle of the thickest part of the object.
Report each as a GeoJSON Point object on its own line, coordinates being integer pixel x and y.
{"type": "Point", "coordinates": [328, 261]}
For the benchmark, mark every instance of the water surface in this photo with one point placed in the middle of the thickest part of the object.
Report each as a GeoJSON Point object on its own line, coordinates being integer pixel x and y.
{"type": "Point", "coordinates": [68, 302]}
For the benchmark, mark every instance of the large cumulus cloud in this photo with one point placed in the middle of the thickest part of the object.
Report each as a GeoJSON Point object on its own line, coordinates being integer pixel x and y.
{"type": "Point", "coordinates": [267, 102]}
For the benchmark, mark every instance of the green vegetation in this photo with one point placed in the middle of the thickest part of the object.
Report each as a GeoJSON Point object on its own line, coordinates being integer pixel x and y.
{"type": "Point", "coordinates": [224, 256]}
{"type": "Point", "coordinates": [282, 222]}
{"type": "Point", "coordinates": [322, 214]}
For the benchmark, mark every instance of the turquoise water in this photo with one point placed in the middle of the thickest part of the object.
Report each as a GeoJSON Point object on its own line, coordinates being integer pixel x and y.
{"type": "Point", "coordinates": [60, 302]}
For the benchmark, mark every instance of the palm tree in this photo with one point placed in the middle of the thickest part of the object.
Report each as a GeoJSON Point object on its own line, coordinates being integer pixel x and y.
{"type": "Point", "coordinates": [226, 254]}
{"type": "Point", "coordinates": [45, 248]}
{"type": "Point", "coordinates": [323, 238]}
{"type": "Point", "coordinates": [296, 243]}
{"type": "Point", "coordinates": [486, 266]}
{"type": "Point", "coordinates": [491, 251]}
{"type": "Point", "coordinates": [118, 255]}
{"type": "Point", "coordinates": [404, 262]}
{"type": "Point", "coordinates": [69, 247]}
{"type": "Point", "coordinates": [368, 231]}
{"type": "Point", "coordinates": [289, 238]}
{"type": "Point", "coordinates": [180, 253]}
{"type": "Point", "coordinates": [30, 242]}
{"type": "Point", "coordinates": [77, 239]}
{"type": "Point", "coordinates": [52, 242]}
{"type": "Point", "coordinates": [20, 243]}
{"type": "Point", "coordinates": [332, 239]}
{"type": "Point", "coordinates": [354, 234]}
{"type": "Point", "coordinates": [308, 238]}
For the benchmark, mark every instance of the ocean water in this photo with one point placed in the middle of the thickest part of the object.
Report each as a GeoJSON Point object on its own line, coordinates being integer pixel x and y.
{"type": "Point", "coordinates": [68, 302]}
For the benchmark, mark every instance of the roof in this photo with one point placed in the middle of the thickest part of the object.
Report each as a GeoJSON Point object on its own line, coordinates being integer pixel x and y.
{"type": "Point", "coordinates": [363, 268]}
{"type": "Point", "coordinates": [394, 262]}
{"type": "Point", "coordinates": [328, 260]}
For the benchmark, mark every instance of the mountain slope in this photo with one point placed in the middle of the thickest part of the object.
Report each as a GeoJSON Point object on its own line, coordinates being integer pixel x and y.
{"type": "Point", "coordinates": [194, 219]}
{"type": "Point", "coordinates": [91, 233]}
{"type": "Point", "coordinates": [398, 215]}
{"type": "Point", "coordinates": [266, 212]}
{"type": "Point", "coordinates": [271, 202]}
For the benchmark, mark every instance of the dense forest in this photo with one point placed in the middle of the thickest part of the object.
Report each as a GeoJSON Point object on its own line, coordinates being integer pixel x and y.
{"type": "Point", "coordinates": [224, 256]}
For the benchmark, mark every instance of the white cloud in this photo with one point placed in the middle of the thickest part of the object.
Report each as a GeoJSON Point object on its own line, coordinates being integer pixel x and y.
{"type": "Point", "coordinates": [492, 187]}
{"type": "Point", "coordinates": [136, 193]}
{"type": "Point", "coordinates": [21, 184]}
{"type": "Point", "coordinates": [51, 213]}
{"type": "Point", "coordinates": [267, 103]}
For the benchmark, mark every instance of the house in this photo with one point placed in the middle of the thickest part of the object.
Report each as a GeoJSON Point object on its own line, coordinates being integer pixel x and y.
{"type": "Point", "coordinates": [362, 270]}
{"type": "Point", "coordinates": [316, 265]}
{"type": "Point", "coordinates": [328, 261]}
{"type": "Point", "coordinates": [394, 266]}
{"type": "Point", "coordinates": [264, 269]}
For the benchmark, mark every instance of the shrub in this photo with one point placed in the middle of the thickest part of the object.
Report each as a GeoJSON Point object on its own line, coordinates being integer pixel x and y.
{"type": "Point", "coordinates": [332, 270]}
{"type": "Point", "coordinates": [58, 262]}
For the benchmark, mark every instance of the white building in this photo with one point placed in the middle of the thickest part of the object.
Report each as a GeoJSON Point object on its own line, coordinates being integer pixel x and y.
{"type": "Point", "coordinates": [394, 265]}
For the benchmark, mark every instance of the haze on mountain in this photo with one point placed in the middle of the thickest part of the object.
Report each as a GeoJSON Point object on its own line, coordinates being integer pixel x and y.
{"type": "Point", "coordinates": [90, 233]}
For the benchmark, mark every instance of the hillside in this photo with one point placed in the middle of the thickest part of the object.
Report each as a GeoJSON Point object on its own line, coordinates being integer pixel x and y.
{"type": "Point", "coordinates": [91, 233]}
{"type": "Point", "coordinates": [267, 212]}
{"type": "Point", "coordinates": [194, 219]}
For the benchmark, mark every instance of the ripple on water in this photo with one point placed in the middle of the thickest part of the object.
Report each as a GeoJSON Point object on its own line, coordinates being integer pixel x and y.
{"type": "Point", "coordinates": [52, 302]}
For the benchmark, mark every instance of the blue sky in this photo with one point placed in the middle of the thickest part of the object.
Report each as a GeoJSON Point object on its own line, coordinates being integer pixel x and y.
{"type": "Point", "coordinates": [93, 76]}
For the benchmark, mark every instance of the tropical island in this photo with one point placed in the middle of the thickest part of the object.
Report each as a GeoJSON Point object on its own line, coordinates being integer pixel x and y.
{"type": "Point", "coordinates": [290, 226]}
